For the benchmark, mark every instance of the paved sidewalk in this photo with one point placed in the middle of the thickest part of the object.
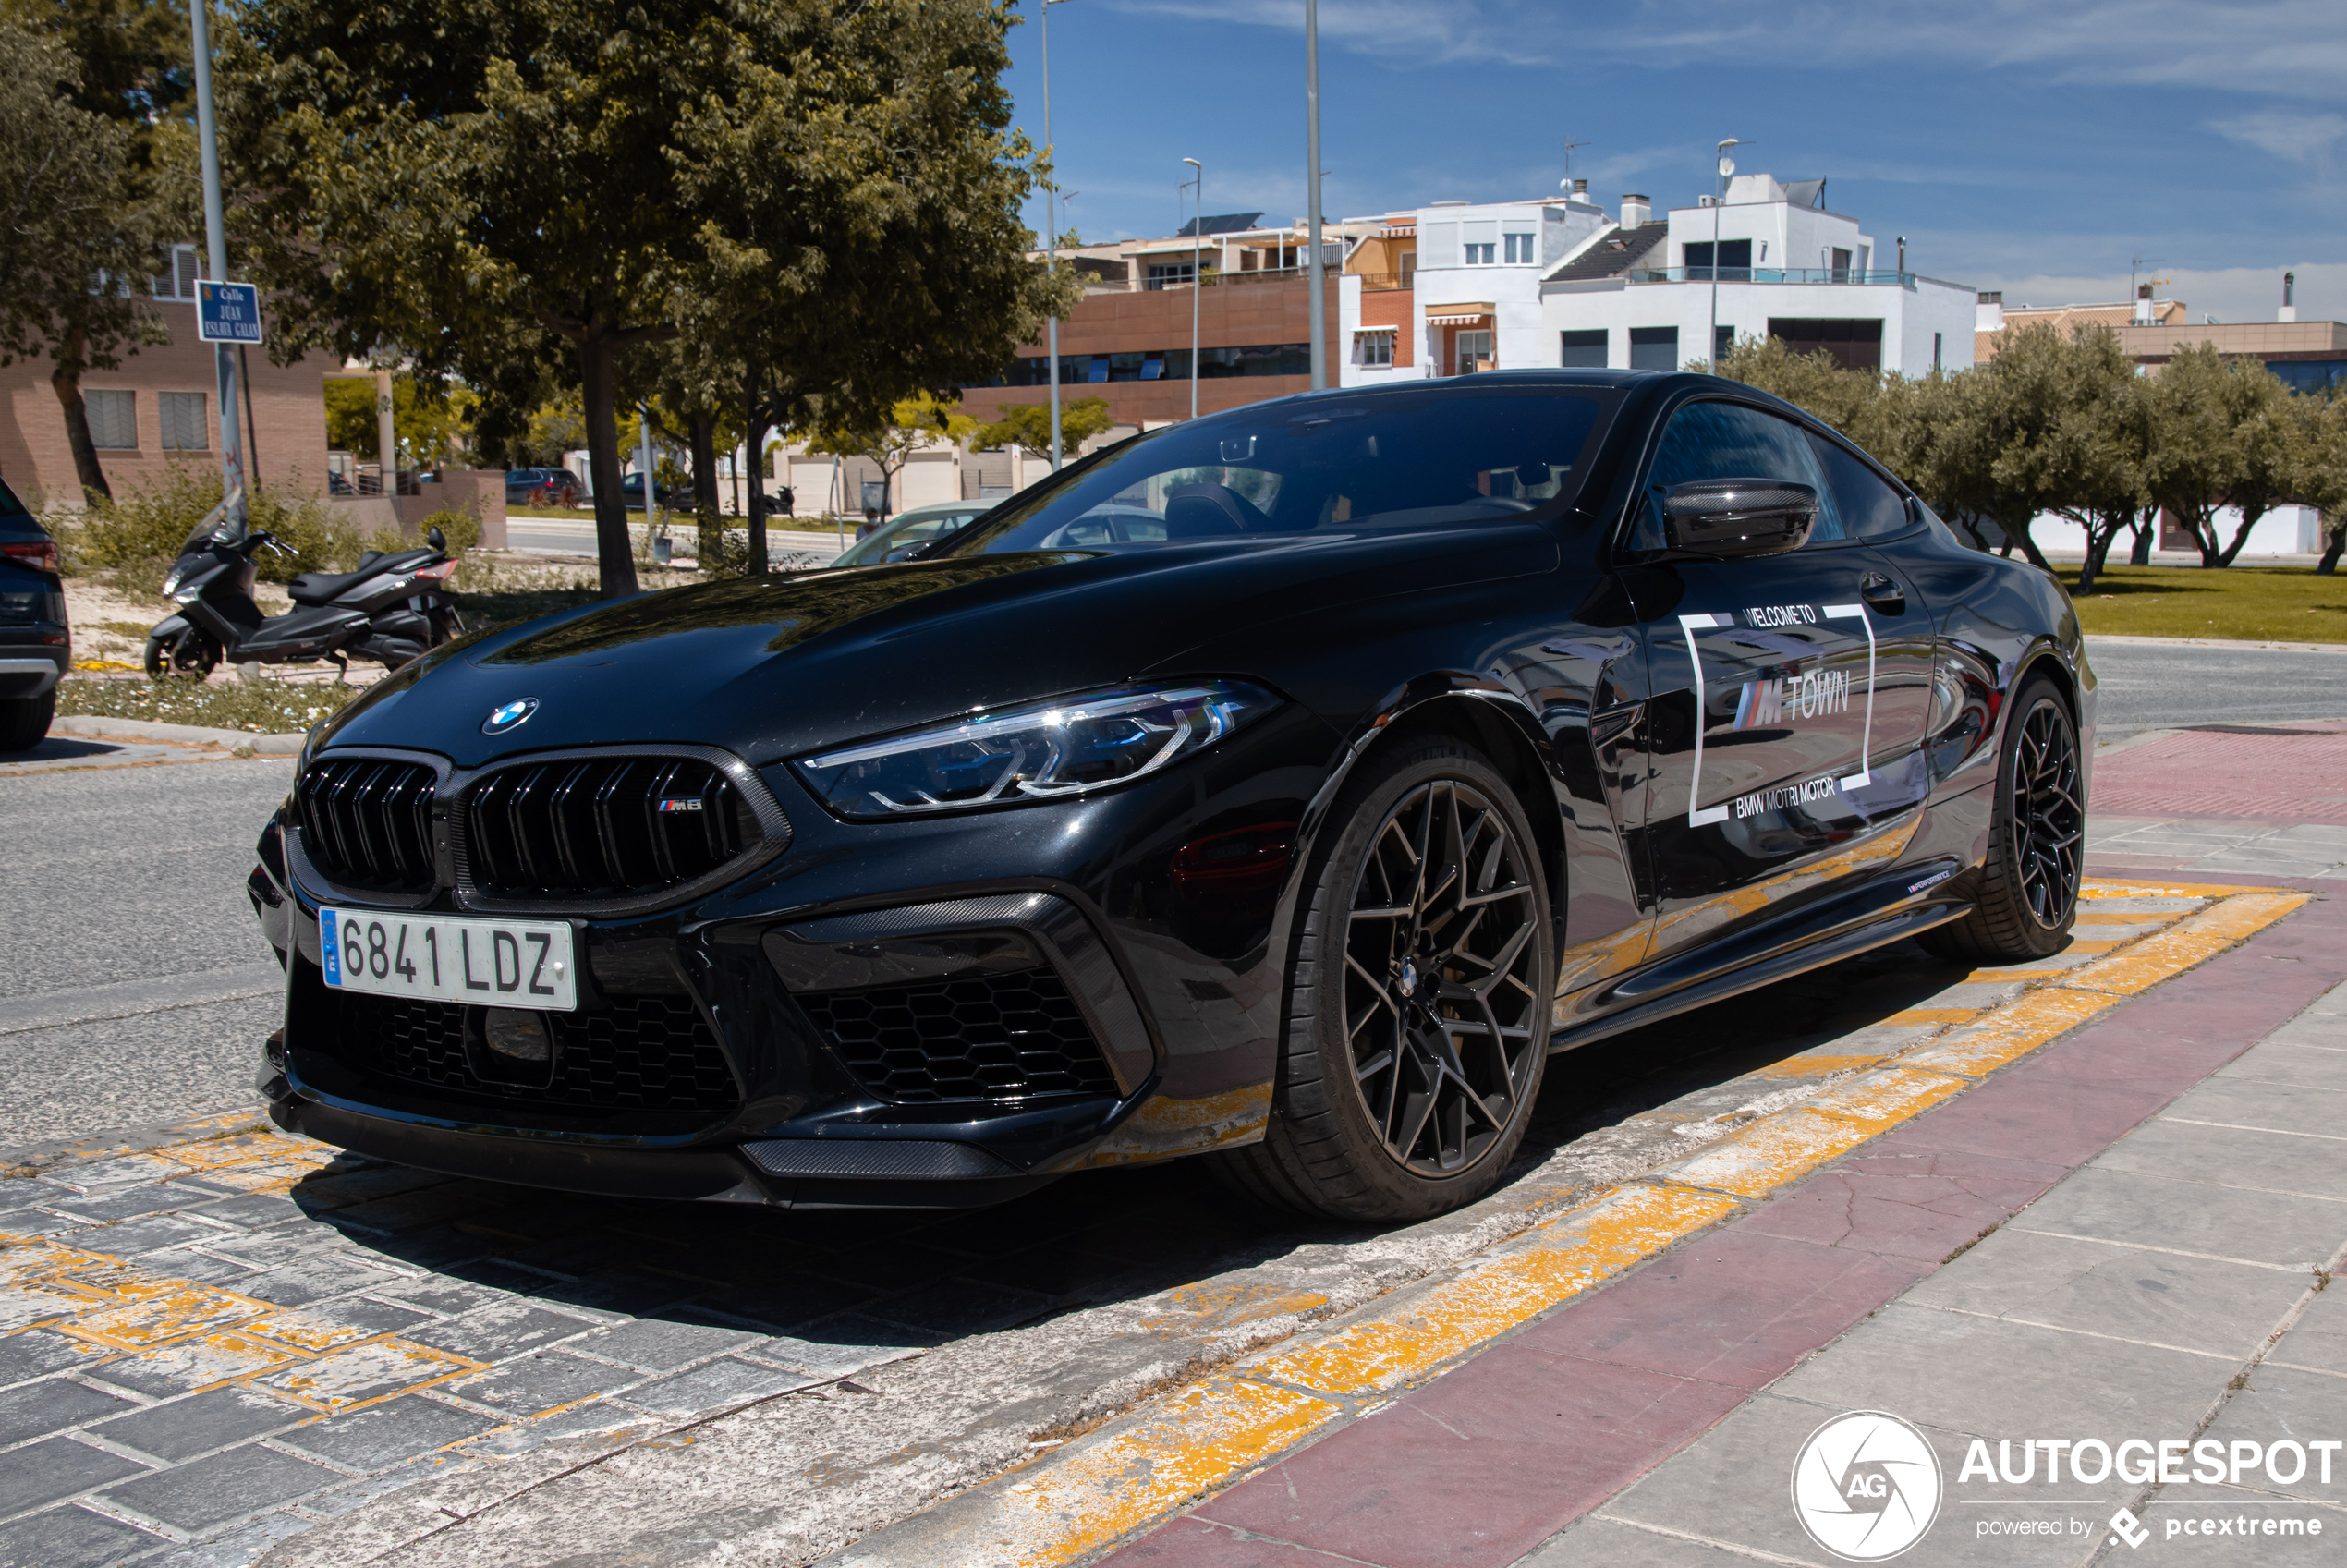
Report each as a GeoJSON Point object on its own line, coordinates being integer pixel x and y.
{"type": "Point", "coordinates": [2121, 1237]}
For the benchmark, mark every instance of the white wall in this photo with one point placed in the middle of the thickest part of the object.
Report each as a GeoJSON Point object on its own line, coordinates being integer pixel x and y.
{"type": "Point", "coordinates": [1909, 316]}
{"type": "Point", "coordinates": [2285, 530]}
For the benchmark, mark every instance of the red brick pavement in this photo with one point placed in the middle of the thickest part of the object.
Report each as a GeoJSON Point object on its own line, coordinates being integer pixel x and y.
{"type": "Point", "coordinates": [2287, 775]}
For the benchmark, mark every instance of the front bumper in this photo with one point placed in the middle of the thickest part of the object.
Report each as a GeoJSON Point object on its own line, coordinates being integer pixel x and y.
{"type": "Point", "coordinates": [1114, 1002]}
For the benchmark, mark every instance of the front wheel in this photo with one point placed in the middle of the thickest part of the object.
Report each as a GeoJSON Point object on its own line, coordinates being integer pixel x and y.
{"type": "Point", "coordinates": [2027, 896]}
{"type": "Point", "coordinates": [1417, 1018]}
{"type": "Point", "coordinates": [188, 653]}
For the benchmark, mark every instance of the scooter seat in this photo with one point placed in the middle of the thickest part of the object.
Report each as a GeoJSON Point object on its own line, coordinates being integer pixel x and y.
{"type": "Point", "coordinates": [324, 588]}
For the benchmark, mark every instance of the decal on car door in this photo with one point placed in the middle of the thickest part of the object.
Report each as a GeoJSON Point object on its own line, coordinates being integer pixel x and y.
{"type": "Point", "coordinates": [1789, 699]}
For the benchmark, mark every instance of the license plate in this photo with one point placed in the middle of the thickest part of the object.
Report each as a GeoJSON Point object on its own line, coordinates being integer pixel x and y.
{"type": "Point", "coordinates": [442, 958]}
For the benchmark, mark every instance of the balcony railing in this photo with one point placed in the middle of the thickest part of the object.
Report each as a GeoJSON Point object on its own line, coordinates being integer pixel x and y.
{"type": "Point", "coordinates": [1772, 275]}
{"type": "Point", "coordinates": [1215, 278]}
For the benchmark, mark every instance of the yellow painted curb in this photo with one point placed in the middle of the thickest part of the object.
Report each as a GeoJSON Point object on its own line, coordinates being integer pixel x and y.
{"type": "Point", "coordinates": [1553, 1263]}
{"type": "Point", "coordinates": [1071, 1505]}
{"type": "Point", "coordinates": [1199, 1441]}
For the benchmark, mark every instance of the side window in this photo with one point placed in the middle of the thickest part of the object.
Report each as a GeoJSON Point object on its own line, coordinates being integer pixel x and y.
{"type": "Point", "coordinates": [1870, 509]}
{"type": "Point", "coordinates": [1728, 441]}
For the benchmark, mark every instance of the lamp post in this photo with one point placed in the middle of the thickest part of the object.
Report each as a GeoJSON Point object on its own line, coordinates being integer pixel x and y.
{"type": "Point", "coordinates": [1052, 239]}
{"type": "Point", "coordinates": [232, 467]}
{"type": "Point", "coordinates": [1718, 196]}
{"type": "Point", "coordinates": [1313, 190]}
{"type": "Point", "coordinates": [1198, 274]}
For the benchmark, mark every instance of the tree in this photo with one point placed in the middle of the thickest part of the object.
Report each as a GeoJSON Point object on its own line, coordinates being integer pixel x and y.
{"type": "Point", "coordinates": [1812, 381]}
{"type": "Point", "coordinates": [77, 232]}
{"type": "Point", "coordinates": [1027, 426]}
{"type": "Point", "coordinates": [819, 191]}
{"type": "Point", "coordinates": [2199, 453]}
{"type": "Point", "coordinates": [2087, 456]}
{"type": "Point", "coordinates": [433, 427]}
{"type": "Point", "coordinates": [2322, 481]}
{"type": "Point", "coordinates": [912, 424]}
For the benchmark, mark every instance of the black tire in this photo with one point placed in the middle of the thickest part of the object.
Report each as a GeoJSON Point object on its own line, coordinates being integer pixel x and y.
{"type": "Point", "coordinates": [191, 654]}
{"type": "Point", "coordinates": [2025, 893]}
{"type": "Point", "coordinates": [1418, 1016]}
{"type": "Point", "coordinates": [24, 720]}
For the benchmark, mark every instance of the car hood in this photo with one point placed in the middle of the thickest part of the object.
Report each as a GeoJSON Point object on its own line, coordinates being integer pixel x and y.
{"type": "Point", "coordinates": [773, 667]}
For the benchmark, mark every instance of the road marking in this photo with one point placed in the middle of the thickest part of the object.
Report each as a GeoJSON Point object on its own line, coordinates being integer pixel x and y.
{"type": "Point", "coordinates": [1134, 1474]}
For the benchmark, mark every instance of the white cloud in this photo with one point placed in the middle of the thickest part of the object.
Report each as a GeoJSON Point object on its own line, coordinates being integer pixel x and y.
{"type": "Point", "coordinates": [2311, 140]}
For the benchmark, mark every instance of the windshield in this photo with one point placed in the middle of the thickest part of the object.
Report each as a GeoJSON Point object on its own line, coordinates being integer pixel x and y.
{"type": "Point", "coordinates": [1451, 458]}
{"type": "Point", "coordinates": [904, 534]}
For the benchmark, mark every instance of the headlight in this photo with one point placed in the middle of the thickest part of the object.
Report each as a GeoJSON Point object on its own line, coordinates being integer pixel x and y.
{"type": "Point", "coordinates": [171, 581]}
{"type": "Point", "coordinates": [1039, 752]}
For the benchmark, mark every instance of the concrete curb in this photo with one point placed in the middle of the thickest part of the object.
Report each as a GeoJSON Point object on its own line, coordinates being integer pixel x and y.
{"type": "Point", "coordinates": [191, 734]}
{"type": "Point", "coordinates": [2094, 638]}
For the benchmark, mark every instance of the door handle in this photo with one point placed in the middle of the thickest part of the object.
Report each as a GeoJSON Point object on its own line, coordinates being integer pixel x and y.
{"type": "Point", "coordinates": [1883, 593]}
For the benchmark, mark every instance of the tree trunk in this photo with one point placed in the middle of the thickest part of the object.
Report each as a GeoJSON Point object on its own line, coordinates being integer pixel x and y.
{"type": "Point", "coordinates": [2335, 544]}
{"type": "Point", "coordinates": [705, 501]}
{"type": "Point", "coordinates": [755, 447]}
{"type": "Point", "coordinates": [2249, 517]}
{"type": "Point", "coordinates": [2098, 546]}
{"type": "Point", "coordinates": [2028, 546]}
{"type": "Point", "coordinates": [2146, 532]}
{"type": "Point", "coordinates": [67, 381]}
{"type": "Point", "coordinates": [615, 556]}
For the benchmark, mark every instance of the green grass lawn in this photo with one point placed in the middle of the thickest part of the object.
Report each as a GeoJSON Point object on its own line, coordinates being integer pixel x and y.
{"type": "Point", "coordinates": [2255, 603]}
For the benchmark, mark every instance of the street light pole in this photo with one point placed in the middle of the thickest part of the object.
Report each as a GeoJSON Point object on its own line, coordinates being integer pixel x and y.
{"type": "Point", "coordinates": [1052, 239]}
{"type": "Point", "coordinates": [1313, 190]}
{"type": "Point", "coordinates": [1198, 274]}
{"type": "Point", "coordinates": [232, 466]}
{"type": "Point", "coordinates": [1719, 195]}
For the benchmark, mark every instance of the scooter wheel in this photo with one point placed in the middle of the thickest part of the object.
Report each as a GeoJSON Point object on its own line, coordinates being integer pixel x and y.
{"type": "Point", "coordinates": [186, 656]}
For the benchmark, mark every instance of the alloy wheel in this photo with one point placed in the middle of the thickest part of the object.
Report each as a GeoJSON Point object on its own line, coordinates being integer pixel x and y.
{"type": "Point", "coordinates": [1441, 984]}
{"type": "Point", "coordinates": [2048, 819]}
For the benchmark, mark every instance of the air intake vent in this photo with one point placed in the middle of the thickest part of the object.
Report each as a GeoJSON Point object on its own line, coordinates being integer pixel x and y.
{"type": "Point", "coordinates": [979, 1036]}
{"type": "Point", "coordinates": [639, 1053]}
{"type": "Point", "coordinates": [603, 827]}
{"type": "Point", "coordinates": [366, 822]}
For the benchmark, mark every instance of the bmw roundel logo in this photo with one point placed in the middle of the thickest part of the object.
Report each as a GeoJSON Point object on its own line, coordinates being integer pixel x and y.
{"type": "Point", "coordinates": [508, 715]}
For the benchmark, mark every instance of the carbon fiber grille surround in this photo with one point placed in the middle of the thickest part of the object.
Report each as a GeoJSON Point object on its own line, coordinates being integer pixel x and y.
{"type": "Point", "coordinates": [366, 821]}
{"type": "Point", "coordinates": [974, 1037]}
{"type": "Point", "coordinates": [645, 1053]}
{"type": "Point", "coordinates": [603, 827]}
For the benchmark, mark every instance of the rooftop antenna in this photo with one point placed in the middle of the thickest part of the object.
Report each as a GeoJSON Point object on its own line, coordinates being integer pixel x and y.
{"type": "Point", "coordinates": [2133, 267]}
{"type": "Point", "coordinates": [1570, 147]}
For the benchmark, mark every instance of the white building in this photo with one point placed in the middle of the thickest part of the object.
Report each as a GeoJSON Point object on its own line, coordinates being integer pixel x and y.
{"type": "Point", "coordinates": [1541, 284]}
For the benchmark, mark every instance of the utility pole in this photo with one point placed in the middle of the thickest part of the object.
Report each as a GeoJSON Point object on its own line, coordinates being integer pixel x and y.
{"type": "Point", "coordinates": [1718, 198]}
{"type": "Point", "coordinates": [232, 466]}
{"type": "Point", "coordinates": [1198, 275]}
{"type": "Point", "coordinates": [1052, 239]}
{"type": "Point", "coordinates": [1312, 190]}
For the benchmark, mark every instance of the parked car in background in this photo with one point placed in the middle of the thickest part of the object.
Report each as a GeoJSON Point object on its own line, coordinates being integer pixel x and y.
{"type": "Point", "coordinates": [631, 490]}
{"type": "Point", "coordinates": [911, 530]}
{"type": "Point", "coordinates": [36, 646]}
{"type": "Point", "coordinates": [542, 487]}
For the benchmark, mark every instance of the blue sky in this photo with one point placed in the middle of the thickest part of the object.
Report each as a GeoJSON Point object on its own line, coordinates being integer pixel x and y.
{"type": "Point", "coordinates": [2034, 148]}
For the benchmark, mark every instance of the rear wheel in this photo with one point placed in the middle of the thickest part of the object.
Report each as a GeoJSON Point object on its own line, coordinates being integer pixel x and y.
{"type": "Point", "coordinates": [1418, 1022]}
{"type": "Point", "coordinates": [24, 720]}
{"type": "Point", "coordinates": [2027, 894]}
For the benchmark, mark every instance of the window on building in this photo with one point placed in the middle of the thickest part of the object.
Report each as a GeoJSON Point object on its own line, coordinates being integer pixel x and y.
{"type": "Point", "coordinates": [1855, 344]}
{"type": "Point", "coordinates": [181, 415]}
{"type": "Point", "coordinates": [1471, 351]}
{"type": "Point", "coordinates": [1654, 348]}
{"type": "Point", "coordinates": [1839, 260]}
{"type": "Point", "coordinates": [1934, 351]}
{"type": "Point", "coordinates": [1479, 255]}
{"type": "Point", "coordinates": [180, 282]}
{"type": "Point", "coordinates": [1584, 350]}
{"type": "Point", "coordinates": [1724, 338]}
{"type": "Point", "coordinates": [1735, 260]}
{"type": "Point", "coordinates": [1166, 274]}
{"type": "Point", "coordinates": [1519, 247]}
{"type": "Point", "coordinates": [113, 419]}
{"type": "Point", "coordinates": [1409, 268]}
{"type": "Point", "coordinates": [1373, 348]}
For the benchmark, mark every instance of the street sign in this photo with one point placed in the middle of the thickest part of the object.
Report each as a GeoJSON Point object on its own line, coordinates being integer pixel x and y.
{"type": "Point", "coordinates": [227, 312]}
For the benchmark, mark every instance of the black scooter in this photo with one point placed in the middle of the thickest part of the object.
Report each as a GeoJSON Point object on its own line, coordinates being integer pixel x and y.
{"type": "Point", "coordinates": [391, 610]}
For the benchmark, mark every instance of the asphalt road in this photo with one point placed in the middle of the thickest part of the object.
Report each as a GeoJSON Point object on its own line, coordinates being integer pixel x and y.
{"type": "Point", "coordinates": [137, 987]}
{"type": "Point", "coordinates": [2151, 686]}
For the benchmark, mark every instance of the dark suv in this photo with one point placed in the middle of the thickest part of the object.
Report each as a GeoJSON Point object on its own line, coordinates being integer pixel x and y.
{"type": "Point", "coordinates": [541, 487]}
{"type": "Point", "coordinates": [35, 646]}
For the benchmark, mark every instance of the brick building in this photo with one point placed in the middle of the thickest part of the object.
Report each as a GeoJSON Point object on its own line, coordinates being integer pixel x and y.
{"type": "Point", "coordinates": [159, 410]}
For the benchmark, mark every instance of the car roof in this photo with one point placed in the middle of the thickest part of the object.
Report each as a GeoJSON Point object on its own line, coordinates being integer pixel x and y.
{"type": "Point", "coordinates": [929, 509]}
